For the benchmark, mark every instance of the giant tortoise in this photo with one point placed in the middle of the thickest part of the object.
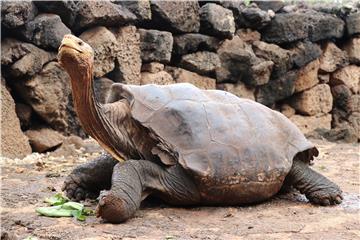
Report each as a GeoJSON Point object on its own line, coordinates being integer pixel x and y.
{"type": "Point", "coordinates": [185, 145]}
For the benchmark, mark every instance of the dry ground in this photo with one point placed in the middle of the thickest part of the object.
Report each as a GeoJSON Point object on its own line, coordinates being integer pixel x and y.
{"type": "Point", "coordinates": [26, 183]}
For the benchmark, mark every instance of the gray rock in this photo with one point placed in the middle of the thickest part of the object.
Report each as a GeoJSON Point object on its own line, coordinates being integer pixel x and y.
{"type": "Point", "coordinates": [106, 13]}
{"type": "Point", "coordinates": [342, 97]}
{"type": "Point", "coordinates": [141, 8]}
{"type": "Point", "coordinates": [105, 47]}
{"type": "Point", "coordinates": [44, 139]}
{"type": "Point", "coordinates": [67, 10]}
{"type": "Point", "coordinates": [16, 13]}
{"type": "Point", "coordinates": [352, 48]}
{"type": "Point", "coordinates": [155, 45]}
{"type": "Point", "coordinates": [217, 21]}
{"type": "Point", "coordinates": [291, 27]}
{"type": "Point", "coordinates": [203, 63]}
{"type": "Point", "coordinates": [49, 93]}
{"type": "Point", "coordinates": [101, 89]}
{"type": "Point", "coordinates": [248, 35]}
{"type": "Point", "coordinates": [180, 16]}
{"type": "Point", "coordinates": [253, 17]}
{"type": "Point", "coordinates": [13, 142]}
{"type": "Point", "coordinates": [128, 56]}
{"type": "Point", "coordinates": [332, 58]}
{"type": "Point", "coordinates": [239, 63]}
{"type": "Point", "coordinates": [271, 52]}
{"type": "Point", "coordinates": [46, 30]}
{"type": "Point", "coordinates": [270, 5]}
{"type": "Point", "coordinates": [153, 67]}
{"type": "Point", "coordinates": [353, 23]}
{"type": "Point", "coordinates": [193, 42]}
{"type": "Point", "coordinates": [304, 52]}
{"type": "Point", "coordinates": [277, 89]}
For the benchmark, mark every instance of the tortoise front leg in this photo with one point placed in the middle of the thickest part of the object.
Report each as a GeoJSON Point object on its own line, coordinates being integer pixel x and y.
{"type": "Point", "coordinates": [317, 188]}
{"type": "Point", "coordinates": [88, 179]}
{"type": "Point", "coordinates": [134, 180]}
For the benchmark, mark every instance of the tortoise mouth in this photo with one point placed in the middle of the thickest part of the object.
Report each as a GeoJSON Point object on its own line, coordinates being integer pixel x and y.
{"type": "Point", "coordinates": [65, 46]}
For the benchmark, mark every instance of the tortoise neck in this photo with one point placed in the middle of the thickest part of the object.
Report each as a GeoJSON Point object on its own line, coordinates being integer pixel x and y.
{"type": "Point", "coordinates": [89, 110]}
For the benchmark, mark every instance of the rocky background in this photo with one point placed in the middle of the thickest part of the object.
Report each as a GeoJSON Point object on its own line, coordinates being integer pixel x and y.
{"type": "Point", "coordinates": [302, 60]}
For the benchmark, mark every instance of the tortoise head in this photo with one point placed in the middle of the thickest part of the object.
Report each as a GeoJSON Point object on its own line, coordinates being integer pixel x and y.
{"type": "Point", "coordinates": [75, 55]}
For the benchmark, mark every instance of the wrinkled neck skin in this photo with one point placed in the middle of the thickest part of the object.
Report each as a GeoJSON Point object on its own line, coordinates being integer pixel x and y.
{"type": "Point", "coordinates": [91, 114]}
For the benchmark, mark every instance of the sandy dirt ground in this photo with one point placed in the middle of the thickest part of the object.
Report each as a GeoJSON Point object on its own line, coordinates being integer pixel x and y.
{"type": "Point", "coordinates": [26, 183]}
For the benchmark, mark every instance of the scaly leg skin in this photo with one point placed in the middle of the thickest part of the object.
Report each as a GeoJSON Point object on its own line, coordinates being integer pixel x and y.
{"type": "Point", "coordinates": [317, 188]}
{"type": "Point", "coordinates": [88, 179]}
{"type": "Point", "coordinates": [133, 180]}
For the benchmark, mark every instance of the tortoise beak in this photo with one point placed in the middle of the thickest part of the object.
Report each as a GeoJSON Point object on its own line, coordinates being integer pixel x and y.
{"type": "Point", "coordinates": [69, 42]}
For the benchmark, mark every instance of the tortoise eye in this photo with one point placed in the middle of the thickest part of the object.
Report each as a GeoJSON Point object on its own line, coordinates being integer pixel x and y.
{"type": "Point", "coordinates": [80, 43]}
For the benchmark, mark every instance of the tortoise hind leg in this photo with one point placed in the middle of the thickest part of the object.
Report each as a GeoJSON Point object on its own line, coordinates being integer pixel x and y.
{"type": "Point", "coordinates": [317, 188]}
{"type": "Point", "coordinates": [133, 180]}
{"type": "Point", "coordinates": [88, 179]}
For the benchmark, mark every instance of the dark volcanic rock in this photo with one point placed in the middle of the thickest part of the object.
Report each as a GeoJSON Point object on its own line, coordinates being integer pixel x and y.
{"type": "Point", "coordinates": [274, 5]}
{"type": "Point", "coordinates": [239, 63]}
{"type": "Point", "coordinates": [277, 89]}
{"type": "Point", "coordinates": [155, 45]}
{"type": "Point", "coordinates": [342, 97]}
{"type": "Point", "coordinates": [46, 30]}
{"type": "Point", "coordinates": [353, 23]}
{"type": "Point", "coordinates": [105, 13]}
{"type": "Point", "coordinates": [304, 52]}
{"type": "Point", "coordinates": [290, 27]}
{"type": "Point", "coordinates": [217, 21]}
{"type": "Point", "coordinates": [24, 113]}
{"type": "Point", "coordinates": [193, 42]}
{"type": "Point", "coordinates": [203, 63]}
{"type": "Point", "coordinates": [16, 13]}
{"type": "Point", "coordinates": [253, 17]}
{"type": "Point", "coordinates": [181, 16]}
{"type": "Point", "coordinates": [141, 8]}
{"type": "Point", "coordinates": [67, 10]}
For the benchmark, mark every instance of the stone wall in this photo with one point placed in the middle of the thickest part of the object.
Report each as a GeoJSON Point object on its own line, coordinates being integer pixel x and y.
{"type": "Point", "coordinates": [301, 60]}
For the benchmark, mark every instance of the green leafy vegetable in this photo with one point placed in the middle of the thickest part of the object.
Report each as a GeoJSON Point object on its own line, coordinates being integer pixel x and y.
{"type": "Point", "coordinates": [57, 199]}
{"type": "Point", "coordinates": [30, 238]}
{"type": "Point", "coordinates": [62, 207]}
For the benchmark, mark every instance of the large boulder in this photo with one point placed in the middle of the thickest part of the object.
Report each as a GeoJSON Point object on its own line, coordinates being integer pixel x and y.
{"type": "Point", "coordinates": [239, 63]}
{"type": "Point", "coordinates": [307, 124]}
{"type": "Point", "coordinates": [46, 30]}
{"type": "Point", "coordinates": [352, 47]}
{"type": "Point", "coordinates": [271, 52]}
{"type": "Point", "coordinates": [13, 50]}
{"type": "Point", "coordinates": [353, 23]}
{"type": "Point", "coordinates": [332, 58]}
{"type": "Point", "coordinates": [304, 52]}
{"type": "Point", "coordinates": [217, 21]}
{"type": "Point", "coordinates": [161, 78]}
{"type": "Point", "coordinates": [49, 93]}
{"type": "Point", "coordinates": [315, 101]}
{"type": "Point", "coordinates": [105, 13]}
{"type": "Point", "coordinates": [308, 76]}
{"type": "Point", "coordinates": [349, 75]}
{"type": "Point", "coordinates": [203, 63]}
{"type": "Point", "coordinates": [183, 76]}
{"type": "Point", "coordinates": [16, 13]}
{"type": "Point", "coordinates": [239, 89]}
{"type": "Point", "coordinates": [155, 45]}
{"type": "Point", "coordinates": [128, 56]}
{"type": "Point", "coordinates": [277, 89]}
{"type": "Point", "coordinates": [180, 16]}
{"type": "Point", "coordinates": [105, 47]}
{"type": "Point", "coordinates": [291, 27]}
{"type": "Point", "coordinates": [14, 144]}
{"type": "Point", "coordinates": [67, 10]}
{"type": "Point", "coordinates": [193, 42]}
{"type": "Point", "coordinates": [141, 8]}
{"type": "Point", "coordinates": [44, 139]}
{"type": "Point", "coordinates": [342, 98]}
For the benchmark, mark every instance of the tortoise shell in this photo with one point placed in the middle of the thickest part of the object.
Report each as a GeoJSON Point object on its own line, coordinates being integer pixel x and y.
{"type": "Point", "coordinates": [215, 135]}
